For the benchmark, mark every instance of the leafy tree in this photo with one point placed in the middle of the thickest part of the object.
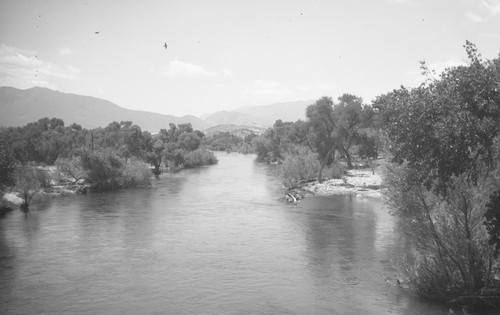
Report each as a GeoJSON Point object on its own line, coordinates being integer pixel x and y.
{"type": "Point", "coordinates": [29, 180]}
{"type": "Point", "coordinates": [7, 168]}
{"type": "Point", "coordinates": [154, 157]}
{"type": "Point", "coordinates": [350, 116]}
{"type": "Point", "coordinates": [189, 141]}
{"type": "Point", "coordinates": [321, 120]}
{"type": "Point", "coordinates": [445, 126]}
{"type": "Point", "coordinates": [444, 140]}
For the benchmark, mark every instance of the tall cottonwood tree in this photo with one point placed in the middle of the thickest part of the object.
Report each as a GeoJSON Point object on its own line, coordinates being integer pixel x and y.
{"type": "Point", "coordinates": [322, 123]}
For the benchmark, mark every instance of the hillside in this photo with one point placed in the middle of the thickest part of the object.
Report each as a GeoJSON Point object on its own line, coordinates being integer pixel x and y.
{"type": "Point", "coordinates": [232, 117]}
{"type": "Point", "coordinates": [268, 114]}
{"type": "Point", "coordinates": [264, 115]}
{"type": "Point", "coordinates": [19, 107]}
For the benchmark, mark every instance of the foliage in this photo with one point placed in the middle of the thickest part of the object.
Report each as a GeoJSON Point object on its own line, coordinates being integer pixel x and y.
{"type": "Point", "coordinates": [335, 170]}
{"type": "Point", "coordinates": [276, 142]}
{"type": "Point", "coordinates": [265, 147]}
{"type": "Point", "coordinates": [449, 256]}
{"type": "Point", "coordinates": [7, 168]}
{"type": "Point", "coordinates": [136, 173]}
{"type": "Point", "coordinates": [226, 141]}
{"type": "Point", "coordinates": [445, 126]}
{"type": "Point", "coordinates": [298, 167]}
{"type": "Point", "coordinates": [199, 157]}
{"type": "Point", "coordinates": [341, 127]}
{"type": "Point", "coordinates": [71, 168]}
{"type": "Point", "coordinates": [443, 137]}
{"type": "Point", "coordinates": [106, 170]}
{"type": "Point", "coordinates": [492, 221]}
{"type": "Point", "coordinates": [29, 180]}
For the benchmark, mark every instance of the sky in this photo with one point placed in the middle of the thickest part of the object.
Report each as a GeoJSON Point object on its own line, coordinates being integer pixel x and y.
{"type": "Point", "coordinates": [222, 55]}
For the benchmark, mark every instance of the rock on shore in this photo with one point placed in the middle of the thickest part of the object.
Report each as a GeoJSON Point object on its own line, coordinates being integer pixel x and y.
{"type": "Point", "coordinates": [361, 183]}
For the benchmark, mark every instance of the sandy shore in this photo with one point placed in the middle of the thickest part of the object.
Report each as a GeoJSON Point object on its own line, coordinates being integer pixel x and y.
{"type": "Point", "coordinates": [360, 183]}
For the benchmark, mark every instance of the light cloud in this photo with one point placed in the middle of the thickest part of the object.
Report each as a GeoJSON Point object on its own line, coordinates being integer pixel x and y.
{"type": "Point", "coordinates": [491, 35]}
{"type": "Point", "coordinates": [24, 69]}
{"type": "Point", "coordinates": [179, 68]}
{"type": "Point", "coordinates": [267, 88]}
{"type": "Point", "coordinates": [317, 87]}
{"type": "Point", "coordinates": [473, 17]}
{"type": "Point", "coordinates": [403, 2]}
{"type": "Point", "coordinates": [486, 10]}
{"type": "Point", "coordinates": [228, 73]}
{"type": "Point", "coordinates": [492, 7]}
{"type": "Point", "coordinates": [65, 51]}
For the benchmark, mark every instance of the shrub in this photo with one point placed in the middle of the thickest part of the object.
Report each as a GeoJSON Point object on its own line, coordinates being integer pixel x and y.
{"type": "Point", "coordinates": [71, 168]}
{"type": "Point", "coordinates": [335, 170]}
{"type": "Point", "coordinates": [301, 166]}
{"type": "Point", "coordinates": [449, 256]}
{"type": "Point", "coordinates": [199, 157]}
{"type": "Point", "coordinates": [7, 168]}
{"type": "Point", "coordinates": [103, 168]}
{"type": "Point", "coordinates": [106, 170]}
{"type": "Point", "coordinates": [29, 180]}
{"type": "Point", "coordinates": [136, 173]}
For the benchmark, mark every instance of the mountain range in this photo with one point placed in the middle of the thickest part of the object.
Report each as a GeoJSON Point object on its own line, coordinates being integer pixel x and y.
{"type": "Point", "coordinates": [19, 107]}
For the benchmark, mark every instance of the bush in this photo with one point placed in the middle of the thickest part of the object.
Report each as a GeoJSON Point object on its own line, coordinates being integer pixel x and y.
{"type": "Point", "coordinates": [29, 180]}
{"type": "Point", "coordinates": [449, 257]}
{"type": "Point", "coordinates": [301, 166]}
{"type": "Point", "coordinates": [71, 168]}
{"type": "Point", "coordinates": [335, 170]}
{"type": "Point", "coordinates": [7, 168]}
{"type": "Point", "coordinates": [199, 157]}
{"type": "Point", "coordinates": [136, 173]}
{"type": "Point", "coordinates": [106, 170]}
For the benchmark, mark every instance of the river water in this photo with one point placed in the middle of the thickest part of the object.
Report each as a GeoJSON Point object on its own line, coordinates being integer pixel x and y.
{"type": "Point", "coordinates": [213, 240]}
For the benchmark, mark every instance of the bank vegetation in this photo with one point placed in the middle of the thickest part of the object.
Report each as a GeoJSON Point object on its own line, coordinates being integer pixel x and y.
{"type": "Point", "coordinates": [46, 155]}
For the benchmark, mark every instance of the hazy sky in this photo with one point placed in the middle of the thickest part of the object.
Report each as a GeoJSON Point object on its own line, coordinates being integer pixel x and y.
{"type": "Point", "coordinates": [226, 54]}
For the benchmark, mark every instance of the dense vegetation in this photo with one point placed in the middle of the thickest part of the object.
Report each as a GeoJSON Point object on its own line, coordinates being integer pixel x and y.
{"type": "Point", "coordinates": [116, 156]}
{"type": "Point", "coordinates": [334, 136]}
{"type": "Point", "coordinates": [444, 180]}
{"type": "Point", "coordinates": [229, 142]}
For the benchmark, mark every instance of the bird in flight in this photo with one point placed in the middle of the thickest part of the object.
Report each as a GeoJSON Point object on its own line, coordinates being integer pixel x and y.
{"type": "Point", "coordinates": [165, 45]}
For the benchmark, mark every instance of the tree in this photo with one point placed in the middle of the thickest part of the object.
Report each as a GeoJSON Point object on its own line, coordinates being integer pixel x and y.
{"type": "Point", "coordinates": [189, 141]}
{"type": "Point", "coordinates": [444, 140]}
{"type": "Point", "coordinates": [7, 168]}
{"type": "Point", "coordinates": [445, 126]}
{"type": "Point", "coordinates": [29, 180]}
{"type": "Point", "coordinates": [350, 116]}
{"type": "Point", "coordinates": [321, 120]}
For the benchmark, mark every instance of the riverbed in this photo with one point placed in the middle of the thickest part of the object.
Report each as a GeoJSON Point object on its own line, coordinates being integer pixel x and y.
{"type": "Point", "coordinates": [214, 240]}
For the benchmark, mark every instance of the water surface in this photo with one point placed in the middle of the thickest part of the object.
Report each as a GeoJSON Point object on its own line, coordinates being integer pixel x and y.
{"type": "Point", "coordinates": [214, 240]}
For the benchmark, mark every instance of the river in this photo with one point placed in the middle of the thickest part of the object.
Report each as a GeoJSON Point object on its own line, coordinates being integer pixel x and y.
{"type": "Point", "coordinates": [213, 240]}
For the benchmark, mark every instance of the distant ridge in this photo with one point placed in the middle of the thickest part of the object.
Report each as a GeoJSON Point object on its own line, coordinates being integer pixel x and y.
{"type": "Point", "coordinates": [19, 107]}
{"type": "Point", "coordinates": [265, 115]}
{"type": "Point", "coordinates": [286, 111]}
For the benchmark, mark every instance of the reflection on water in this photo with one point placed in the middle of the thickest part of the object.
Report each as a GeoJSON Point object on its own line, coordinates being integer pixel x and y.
{"type": "Point", "coordinates": [213, 240]}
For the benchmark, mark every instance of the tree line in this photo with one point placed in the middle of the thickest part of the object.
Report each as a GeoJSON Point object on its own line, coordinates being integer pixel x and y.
{"type": "Point", "coordinates": [119, 155]}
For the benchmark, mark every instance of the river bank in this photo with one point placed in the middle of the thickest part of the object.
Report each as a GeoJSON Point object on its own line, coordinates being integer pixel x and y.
{"type": "Point", "coordinates": [362, 183]}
